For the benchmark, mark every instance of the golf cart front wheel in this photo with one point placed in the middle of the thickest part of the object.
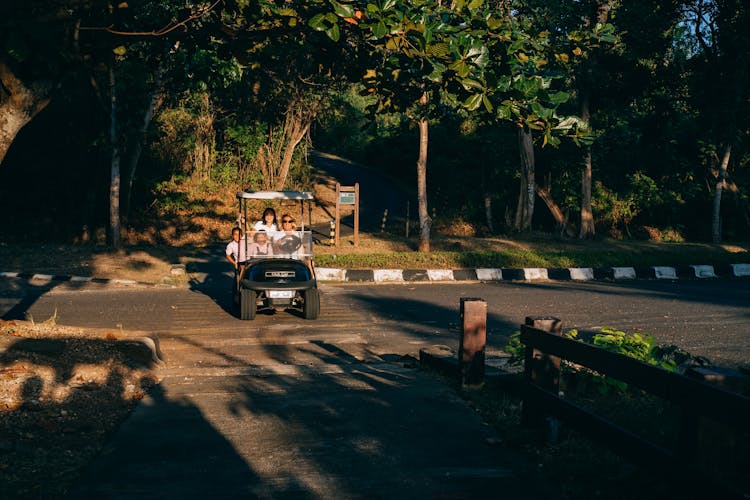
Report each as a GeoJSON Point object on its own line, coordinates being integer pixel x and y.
{"type": "Point", "coordinates": [311, 306]}
{"type": "Point", "coordinates": [248, 304]}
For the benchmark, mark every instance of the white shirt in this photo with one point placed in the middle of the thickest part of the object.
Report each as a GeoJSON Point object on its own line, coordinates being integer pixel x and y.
{"type": "Point", "coordinates": [261, 226]}
{"type": "Point", "coordinates": [234, 249]}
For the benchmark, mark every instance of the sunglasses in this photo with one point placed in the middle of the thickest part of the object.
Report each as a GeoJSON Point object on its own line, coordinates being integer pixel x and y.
{"type": "Point", "coordinates": [287, 221]}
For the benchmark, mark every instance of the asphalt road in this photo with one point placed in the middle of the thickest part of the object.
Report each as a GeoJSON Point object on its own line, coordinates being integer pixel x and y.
{"type": "Point", "coordinates": [709, 318]}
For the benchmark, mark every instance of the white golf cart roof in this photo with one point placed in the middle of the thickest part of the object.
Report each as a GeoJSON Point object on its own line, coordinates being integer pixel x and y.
{"type": "Point", "coordinates": [275, 195]}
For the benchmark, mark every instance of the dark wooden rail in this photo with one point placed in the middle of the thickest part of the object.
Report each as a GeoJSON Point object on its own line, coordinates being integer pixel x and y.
{"type": "Point", "coordinates": [697, 399]}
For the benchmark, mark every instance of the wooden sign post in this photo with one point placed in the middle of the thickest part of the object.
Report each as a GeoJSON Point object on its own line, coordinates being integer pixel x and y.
{"type": "Point", "coordinates": [347, 195]}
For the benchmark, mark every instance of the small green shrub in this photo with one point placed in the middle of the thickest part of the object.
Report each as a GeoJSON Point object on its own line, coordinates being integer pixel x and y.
{"type": "Point", "coordinates": [637, 345]}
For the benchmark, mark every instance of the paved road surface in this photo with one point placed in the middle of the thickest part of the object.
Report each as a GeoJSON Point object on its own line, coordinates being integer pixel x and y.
{"type": "Point", "coordinates": [710, 318]}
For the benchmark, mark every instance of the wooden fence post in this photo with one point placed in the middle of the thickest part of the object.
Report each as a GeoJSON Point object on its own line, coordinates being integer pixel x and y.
{"type": "Point", "coordinates": [540, 369]}
{"type": "Point", "coordinates": [473, 340]}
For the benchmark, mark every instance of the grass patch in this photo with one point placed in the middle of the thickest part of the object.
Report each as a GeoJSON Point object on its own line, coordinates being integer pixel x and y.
{"type": "Point", "coordinates": [516, 258]}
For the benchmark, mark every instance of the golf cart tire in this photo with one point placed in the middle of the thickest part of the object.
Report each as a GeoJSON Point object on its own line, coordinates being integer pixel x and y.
{"type": "Point", "coordinates": [311, 306]}
{"type": "Point", "coordinates": [248, 304]}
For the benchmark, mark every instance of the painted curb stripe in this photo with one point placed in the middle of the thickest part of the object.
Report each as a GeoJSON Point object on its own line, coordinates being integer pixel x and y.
{"type": "Point", "coordinates": [665, 273]}
{"type": "Point", "coordinates": [440, 275]}
{"type": "Point", "coordinates": [380, 275]}
{"type": "Point", "coordinates": [481, 274]}
{"type": "Point", "coordinates": [581, 273]}
{"type": "Point", "coordinates": [84, 279]}
{"type": "Point", "coordinates": [557, 273]}
{"type": "Point", "coordinates": [489, 274]}
{"type": "Point", "coordinates": [604, 273]}
{"type": "Point", "coordinates": [415, 275]}
{"type": "Point", "coordinates": [535, 273]}
{"type": "Point", "coordinates": [359, 275]}
{"type": "Point", "coordinates": [465, 275]}
{"type": "Point", "coordinates": [329, 274]}
{"type": "Point", "coordinates": [704, 271]}
{"type": "Point", "coordinates": [514, 274]}
{"type": "Point", "coordinates": [623, 273]}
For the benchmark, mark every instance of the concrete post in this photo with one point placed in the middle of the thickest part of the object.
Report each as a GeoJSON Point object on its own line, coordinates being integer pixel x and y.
{"type": "Point", "coordinates": [473, 340]}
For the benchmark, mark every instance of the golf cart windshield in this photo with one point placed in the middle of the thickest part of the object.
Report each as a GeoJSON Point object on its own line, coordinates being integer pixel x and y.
{"type": "Point", "coordinates": [276, 245]}
{"type": "Point", "coordinates": [292, 243]}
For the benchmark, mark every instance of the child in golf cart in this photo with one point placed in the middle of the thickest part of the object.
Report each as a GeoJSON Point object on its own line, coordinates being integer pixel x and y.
{"type": "Point", "coordinates": [261, 246]}
{"type": "Point", "coordinates": [237, 251]}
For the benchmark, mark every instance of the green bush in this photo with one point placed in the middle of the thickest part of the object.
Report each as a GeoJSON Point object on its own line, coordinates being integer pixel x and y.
{"type": "Point", "coordinates": [636, 345]}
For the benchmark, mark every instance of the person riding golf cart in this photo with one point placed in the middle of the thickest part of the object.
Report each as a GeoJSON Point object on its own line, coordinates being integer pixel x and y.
{"type": "Point", "coordinates": [284, 275]}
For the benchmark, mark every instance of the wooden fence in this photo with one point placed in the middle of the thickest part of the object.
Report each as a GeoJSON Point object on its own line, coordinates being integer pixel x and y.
{"type": "Point", "coordinates": [697, 400]}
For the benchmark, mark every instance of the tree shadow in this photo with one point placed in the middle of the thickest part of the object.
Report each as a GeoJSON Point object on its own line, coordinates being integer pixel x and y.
{"type": "Point", "coordinates": [295, 419]}
{"type": "Point", "coordinates": [322, 421]}
{"type": "Point", "coordinates": [72, 394]}
{"type": "Point", "coordinates": [26, 297]}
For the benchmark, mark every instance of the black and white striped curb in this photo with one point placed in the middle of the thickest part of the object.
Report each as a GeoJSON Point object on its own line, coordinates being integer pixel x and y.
{"type": "Point", "coordinates": [71, 279]}
{"type": "Point", "coordinates": [482, 274]}
{"type": "Point", "coordinates": [535, 274]}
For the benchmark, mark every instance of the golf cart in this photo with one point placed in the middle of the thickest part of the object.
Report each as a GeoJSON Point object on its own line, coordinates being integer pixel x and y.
{"type": "Point", "coordinates": [285, 276]}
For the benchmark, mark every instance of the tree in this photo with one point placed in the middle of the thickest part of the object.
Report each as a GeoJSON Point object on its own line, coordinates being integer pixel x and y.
{"type": "Point", "coordinates": [420, 54]}
{"type": "Point", "coordinates": [585, 80]}
{"type": "Point", "coordinates": [720, 31]}
{"type": "Point", "coordinates": [433, 58]}
{"type": "Point", "coordinates": [577, 32]}
{"type": "Point", "coordinates": [524, 92]}
{"type": "Point", "coordinates": [36, 50]}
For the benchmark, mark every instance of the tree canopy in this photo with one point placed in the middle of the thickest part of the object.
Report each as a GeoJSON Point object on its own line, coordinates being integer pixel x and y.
{"type": "Point", "coordinates": [627, 117]}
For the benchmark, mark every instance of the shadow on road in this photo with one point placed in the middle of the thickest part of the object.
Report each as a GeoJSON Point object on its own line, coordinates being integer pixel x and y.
{"type": "Point", "coordinates": [24, 296]}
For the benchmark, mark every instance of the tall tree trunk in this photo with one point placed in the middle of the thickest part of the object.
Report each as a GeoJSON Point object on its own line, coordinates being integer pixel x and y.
{"type": "Point", "coordinates": [720, 182]}
{"type": "Point", "coordinates": [114, 186]}
{"type": "Point", "coordinates": [488, 212]}
{"type": "Point", "coordinates": [23, 103]}
{"type": "Point", "coordinates": [295, 130]}
{"type": "Point", "coordinates": [135, 154]}
{"type": "Point", "coordinates": [487, 197]}
{"type": "Point", "coordinates": [425, 223]}
{"type": "Point", "coordinates": [587, 228]}
{"type": "Point", "coordinates": [526, 196]}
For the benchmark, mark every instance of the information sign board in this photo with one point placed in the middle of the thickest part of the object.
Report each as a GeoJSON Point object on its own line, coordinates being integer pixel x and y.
{"type": "Point", "coordinates": [347, 198]}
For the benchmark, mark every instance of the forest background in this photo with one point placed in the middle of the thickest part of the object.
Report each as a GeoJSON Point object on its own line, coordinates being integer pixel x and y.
{"type": "Point", "coordinates": [625, 119]}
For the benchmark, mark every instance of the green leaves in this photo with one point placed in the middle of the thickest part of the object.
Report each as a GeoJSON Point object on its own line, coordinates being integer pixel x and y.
{"type": "Point", "coordinates": [342, 10]}
{"type": "Point", "coordinates": [473, 102]}
{"type": "Point", "coordinates": [328, 23]}
{"type": "Point", "coordinates": [467, 54]}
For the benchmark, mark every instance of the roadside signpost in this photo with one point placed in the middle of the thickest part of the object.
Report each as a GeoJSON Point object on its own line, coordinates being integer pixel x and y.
{"type": "Point", "coordinates": [347, 195]}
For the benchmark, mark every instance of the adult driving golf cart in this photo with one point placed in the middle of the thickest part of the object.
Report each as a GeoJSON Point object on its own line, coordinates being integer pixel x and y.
{"type": "Point", "coordinates": [285, 276]}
